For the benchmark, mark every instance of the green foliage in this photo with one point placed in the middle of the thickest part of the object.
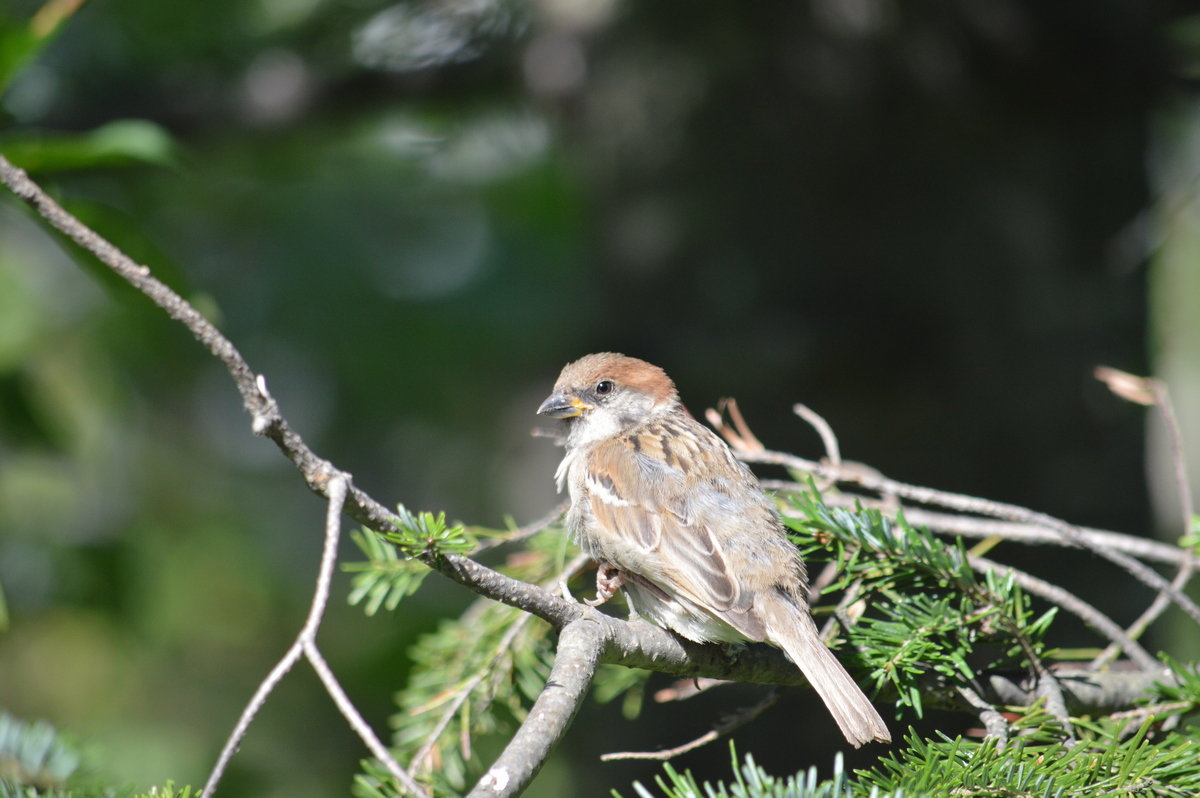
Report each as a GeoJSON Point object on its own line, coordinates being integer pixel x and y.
{"type": "Point", "coordinates": [393, 570]}
{"type": "Point", "coordinates": [169, 791]}
{"type": "Point", "coordinates": [9, 789]}
{"type": "Point", "coordinates": [34, 754]}
{"type": "Point", "coordinates": [1100, 763]}
{"type": "Point", "coordinates": [123, 142]}
{"type": "Point", "coordinates": [426, 534]}
{"type": "Point", "coordinates": [1191, 540]}
{"type": "Point", "coordinates": [20, 42]}
{"type": "Point", "coordinates": [376, 782]}
{"type": "Point", "coordinates": [386, 577]}
{"type": "Point", "coordinates": [1104, 761]}
{"type": "Point", "coordinates": [931, 612]}
{"type": "Point", "coordinates": [751, 781]}
{"type": "Point", "coordinates": [928, 612]}
{"type": "Point", "coordinates": [37, 761]}
{"type": "Point", "coordinates": [473, 677]}
{"type": "Point", "coordinates": [1178, 691]}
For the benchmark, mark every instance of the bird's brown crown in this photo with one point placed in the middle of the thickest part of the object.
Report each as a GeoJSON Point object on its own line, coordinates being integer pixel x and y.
{"type": "Point", "coordinates": [626, 371]}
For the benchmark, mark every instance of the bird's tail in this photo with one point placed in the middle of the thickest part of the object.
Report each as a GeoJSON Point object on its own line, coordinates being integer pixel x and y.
{"type": "Point", "coordinates": [792, 629]}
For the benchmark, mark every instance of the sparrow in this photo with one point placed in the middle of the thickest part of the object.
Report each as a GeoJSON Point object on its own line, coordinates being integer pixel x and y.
{"type": "Point", "coordinates": [671, 516]}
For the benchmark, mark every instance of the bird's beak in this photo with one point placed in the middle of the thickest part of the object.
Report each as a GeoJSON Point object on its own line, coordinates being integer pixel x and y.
{"type": "Point", "coordinates": [560, 405]}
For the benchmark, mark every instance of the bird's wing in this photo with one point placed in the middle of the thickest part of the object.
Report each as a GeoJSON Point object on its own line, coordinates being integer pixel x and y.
{"type": "Point", "coordinates": [654, 494]}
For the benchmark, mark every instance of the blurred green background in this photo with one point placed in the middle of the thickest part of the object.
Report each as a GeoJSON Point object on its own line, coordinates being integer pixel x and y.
{"type": "Point", "coordinates": [926, 221]}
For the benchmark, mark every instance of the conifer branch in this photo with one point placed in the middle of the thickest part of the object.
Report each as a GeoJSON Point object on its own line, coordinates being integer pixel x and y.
{"type": "Point", "coordinates": [974, 527]}
{"type": "Point", "coordinates": [1075, 605]}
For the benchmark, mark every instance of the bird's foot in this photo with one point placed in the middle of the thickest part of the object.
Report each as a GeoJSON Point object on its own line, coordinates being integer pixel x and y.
{"type": "Point", "coordinates": [608, 581]}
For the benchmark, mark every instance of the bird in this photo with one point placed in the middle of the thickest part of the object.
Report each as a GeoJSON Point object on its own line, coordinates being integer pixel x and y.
{"type": "Point", "coordinates": [670, 516]}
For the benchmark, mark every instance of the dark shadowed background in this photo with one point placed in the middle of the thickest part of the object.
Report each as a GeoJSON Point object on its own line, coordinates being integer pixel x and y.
{"type": "Point", "coordinates": [928, 222]}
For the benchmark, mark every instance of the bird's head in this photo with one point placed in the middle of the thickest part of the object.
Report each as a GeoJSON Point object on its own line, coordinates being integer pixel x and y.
{"type": "Point", "coordinates": [606, 394]}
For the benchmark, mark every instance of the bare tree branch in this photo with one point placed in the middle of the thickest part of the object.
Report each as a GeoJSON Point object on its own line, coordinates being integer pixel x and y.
{"type": "Point", "coordinates": [251, 710]}
{"type": "Point", "coordinates": [726, 725]}
{"type": "Point", "coordinates": [833, 452]}
{"type": "Point", "coordinates": [579, 647]}
{"type": "Point", "coordinates": [636, 645]}
{"type": "Point", "coordinates": [306, 645]}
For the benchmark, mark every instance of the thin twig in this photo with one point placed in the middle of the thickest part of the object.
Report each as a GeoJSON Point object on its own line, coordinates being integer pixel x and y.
{"type": "Point", "coordinates": [1139, 713]}
{"type": "Point", "coordinates": [739, 436]}
{"type": "Point", "coordinates": [719, 730]}
{"type": "Point", "coordinates": [337, 497]}
{"type": "Point", "coordinates": [1162, 400]}
{"type": "Point", "coordinates": [305, 644]}
{"type": "Point", "coordinates": [976, 505]}
{"type": "Point", "coordinates": [833, 452]}
{"type": "Point", "coordinates": [1049, 688]}
{"type": "Point", "coordinates": [406, 782]}
{"type": "Point", "coordinates": [464, 691]}
{"type": "Point", "coordinates": [1183, 484]}
{"type": "Point", "coordinates": [527, 531]}
{"type": "Point", "coordinates": [1086, 692]}
{"type": "Point", "coordinates": [748, 439]}
{"type": "Point", "coordinates": [1139, 626]}
{"type": "Point", "coordinates": [333, 531]}
{"type": "Point", "coordinates": [252, 707]}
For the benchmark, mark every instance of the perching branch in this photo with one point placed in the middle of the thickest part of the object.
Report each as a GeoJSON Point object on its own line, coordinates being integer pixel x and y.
{"type": "Point", "coordinates": [463, 691]}
{"type": "Point", "coordinates": [579, 647]}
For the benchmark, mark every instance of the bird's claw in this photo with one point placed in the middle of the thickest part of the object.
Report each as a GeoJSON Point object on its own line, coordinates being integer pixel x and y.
{"type": "Point", "coordinates": [609, 580]}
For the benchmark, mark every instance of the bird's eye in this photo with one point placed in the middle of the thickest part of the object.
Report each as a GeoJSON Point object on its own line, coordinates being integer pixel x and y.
{"type": "Point", "coordinates": [604, 386]}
